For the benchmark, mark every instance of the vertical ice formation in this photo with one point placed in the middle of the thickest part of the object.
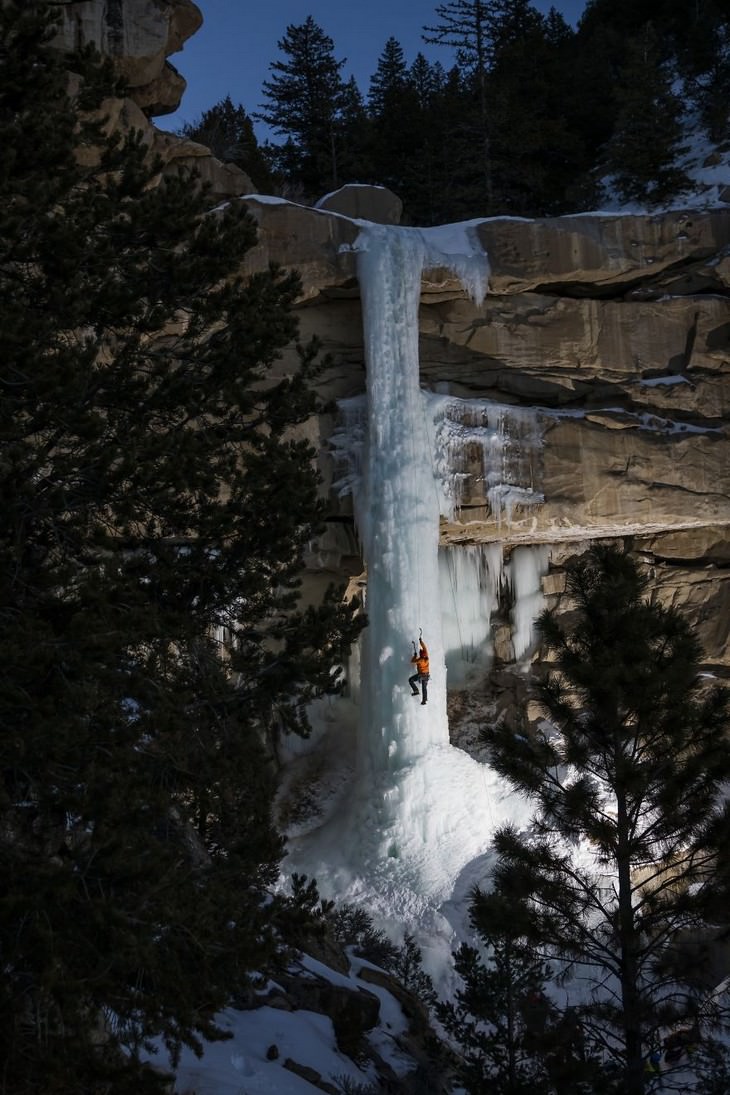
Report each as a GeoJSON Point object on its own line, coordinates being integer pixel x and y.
{"type": "Point", "coordinates": [526, 568]}
{"type": "Point", "coordinates": [418, 809]}
{"type": "Point", "coordinates": [470, 579]}
{"type": "Point", "coordinates": [473, 578]}
{"type": "Point", "coordinates": [496, 443]}
{"type": "Point", "coordinates": [398, 504]}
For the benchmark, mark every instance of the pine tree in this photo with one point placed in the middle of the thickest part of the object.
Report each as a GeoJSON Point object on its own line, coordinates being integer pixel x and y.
{"type": "Point", "coordinates": [426, 79]}
{"type": "Point", "coordinates": [458, 179]}
{"type": "Point", "coordinates": [354, 137]}
{"type": "Point", "coordinates": [703, 49]}
{"type": "Point", "coordinates": [466, 26]}
{"type": "Point", "coordinates": [153, 501]}
{"type": "Point", "coordinates": [420, 181]}
{"type": "Point", "coordinates": [389, 79]}
{"type": "Point", "coordinates": [303, 103]}
{"type": "Point", "coordinates": [630, 777]}
{"type": "Point", "coordinates": [500, 1017]}
{"type": "Point", "coordinates": [513, 21]}
{"type": "Point", "coordinates": [228, 132]}
{"type": "Point", "coordinates": [536, 155]}
{"type": "Point", "coordinates": [643, 152]}
{"type": "Point", "coordinates": [396, 120]}
{"type": "Point", "coordinates": [692, 39]}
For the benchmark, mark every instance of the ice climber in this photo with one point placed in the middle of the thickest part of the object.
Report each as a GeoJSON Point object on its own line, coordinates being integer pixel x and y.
{"type": "Point", "coordinates": [420, 660]}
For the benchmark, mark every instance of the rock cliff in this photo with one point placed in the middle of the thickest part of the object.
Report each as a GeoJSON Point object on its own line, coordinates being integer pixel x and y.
{"type": "Point", "coordinates": [600, 358]}
{"type": "Point", "coordinates": [604, 346]}
{"type": "Point", "coordinates": [139, 36]}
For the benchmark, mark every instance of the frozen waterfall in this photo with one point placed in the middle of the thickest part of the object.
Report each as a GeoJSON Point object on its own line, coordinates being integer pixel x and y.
{"type": "Point", "coordinates": [399, 505]}
{"type": "Point", "coordinates": [418, 810]}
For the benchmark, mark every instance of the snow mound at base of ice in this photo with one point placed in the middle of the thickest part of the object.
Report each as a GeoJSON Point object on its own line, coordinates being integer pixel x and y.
{"type": "Point", "coordinates": [401, 853]}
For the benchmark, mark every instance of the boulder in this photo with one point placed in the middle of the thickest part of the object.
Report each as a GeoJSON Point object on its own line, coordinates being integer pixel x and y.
{"type": "Point", "coordinates": [226, 180]}
{"type": "Point", "coordinates": [310, 1075]}
{"type": "Point", "coordinates": [353, 1011]}
{"type": "Point", "coordinates": [368, 203]}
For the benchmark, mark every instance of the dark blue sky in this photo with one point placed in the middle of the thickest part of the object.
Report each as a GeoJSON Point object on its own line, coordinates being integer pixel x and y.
{"type": "Point", "coordinates": [231, 53]}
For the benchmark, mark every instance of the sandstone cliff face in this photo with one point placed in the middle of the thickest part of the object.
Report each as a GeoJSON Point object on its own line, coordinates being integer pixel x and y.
{"type": "Point", "coordinates": [139, 36]}
{"type": "Point", "coordinates": [605, 344]}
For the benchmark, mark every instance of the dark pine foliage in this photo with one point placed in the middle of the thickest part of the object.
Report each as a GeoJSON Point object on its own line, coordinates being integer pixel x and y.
{"type": "Point", "coordinates": [643, 151]}
{"type": "Point", "coordinates": [153, 503]}
{"type": "Point", "coordinates": [633, 769]}
{"type": "Point", "coordinates": [537, 150]}
{"type": "Point", "coordinates": [398, 120]}
{"type": "Point", "coordinates": [303, 103]}
{"type": "Point", "coordinates": [228, 132]}
{"type": "Point", "coordinates": [512, 1038]}
{"type": "Point", "coordinates": [500, 1017]}
{"type": "Point", "coordinates": [466, 26]}
{"type": "Point", "coordinates": [535, 118]}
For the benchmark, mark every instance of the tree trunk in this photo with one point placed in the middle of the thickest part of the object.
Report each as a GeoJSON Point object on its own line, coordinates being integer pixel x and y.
{"type": "Point", "coordinates": [333, 158]}
{"type": "Point", "coordinates": [628, 942]}
{"type": "Point", "coordinates": [512, 1059]}
{"type": "Point", "coordinates": [484, 115]}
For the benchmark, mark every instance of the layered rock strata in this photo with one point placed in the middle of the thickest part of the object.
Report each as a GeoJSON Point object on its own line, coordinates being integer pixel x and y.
{"type": "Point", "coordinates": [604, 344]}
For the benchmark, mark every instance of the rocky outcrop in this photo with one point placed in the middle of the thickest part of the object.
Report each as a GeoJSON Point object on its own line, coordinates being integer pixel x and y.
{"type": "Point", "coordinates": [597, 252]}
{"type": "Point", "coordinates": [226, 180]}
{"type": "Point", "coordinates": [601, 353]}
{"type": "Point", "coordinates": [364, 1030]}
{"type": "Point", "coordinates": [139, 36]}
{"type": "Point", "coordinates": [370, 203]}
{"type": "Point", "coordinates": [353, 1011]}
{"type": "Point", "coordinates": [594, 256]}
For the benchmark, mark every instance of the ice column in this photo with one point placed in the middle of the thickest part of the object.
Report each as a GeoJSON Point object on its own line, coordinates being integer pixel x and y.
{"type": "Point", "coordinates": [472, 576]}
{"type": "Point", "coordinates": [397, 507]}
{"type": "Point", "coordinates": [526, 568]}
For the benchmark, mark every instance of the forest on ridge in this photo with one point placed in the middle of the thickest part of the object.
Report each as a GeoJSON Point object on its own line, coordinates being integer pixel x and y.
{"type": "Point", "coordinates": [533, 118]}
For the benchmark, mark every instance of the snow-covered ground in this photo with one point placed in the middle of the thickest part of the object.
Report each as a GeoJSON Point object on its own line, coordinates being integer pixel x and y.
{"type": "Point", "coordinates": [252, 1061]}
{"type": "Point", "coordinates": [706, 166]}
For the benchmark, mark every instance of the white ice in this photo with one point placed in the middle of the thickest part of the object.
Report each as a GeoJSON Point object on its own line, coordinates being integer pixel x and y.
{"type": "Point", "coordinates": [419, 812]}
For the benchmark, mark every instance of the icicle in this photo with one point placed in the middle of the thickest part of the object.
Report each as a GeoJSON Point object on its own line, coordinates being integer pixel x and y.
{"type": "Point", "coordinates": [471, 578]}
{"type": "Point", "coordinates": [526, 568]}
{"type": "Point", "coordinates": [504, 440]}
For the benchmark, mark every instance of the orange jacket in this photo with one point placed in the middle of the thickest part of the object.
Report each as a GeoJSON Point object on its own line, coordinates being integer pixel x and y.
{"type": "Point", "coordinates": [420, 660]}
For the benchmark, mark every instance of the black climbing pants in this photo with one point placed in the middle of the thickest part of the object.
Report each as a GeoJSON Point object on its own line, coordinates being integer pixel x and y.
{"type": "Point", "coordinates": [414, 680]}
